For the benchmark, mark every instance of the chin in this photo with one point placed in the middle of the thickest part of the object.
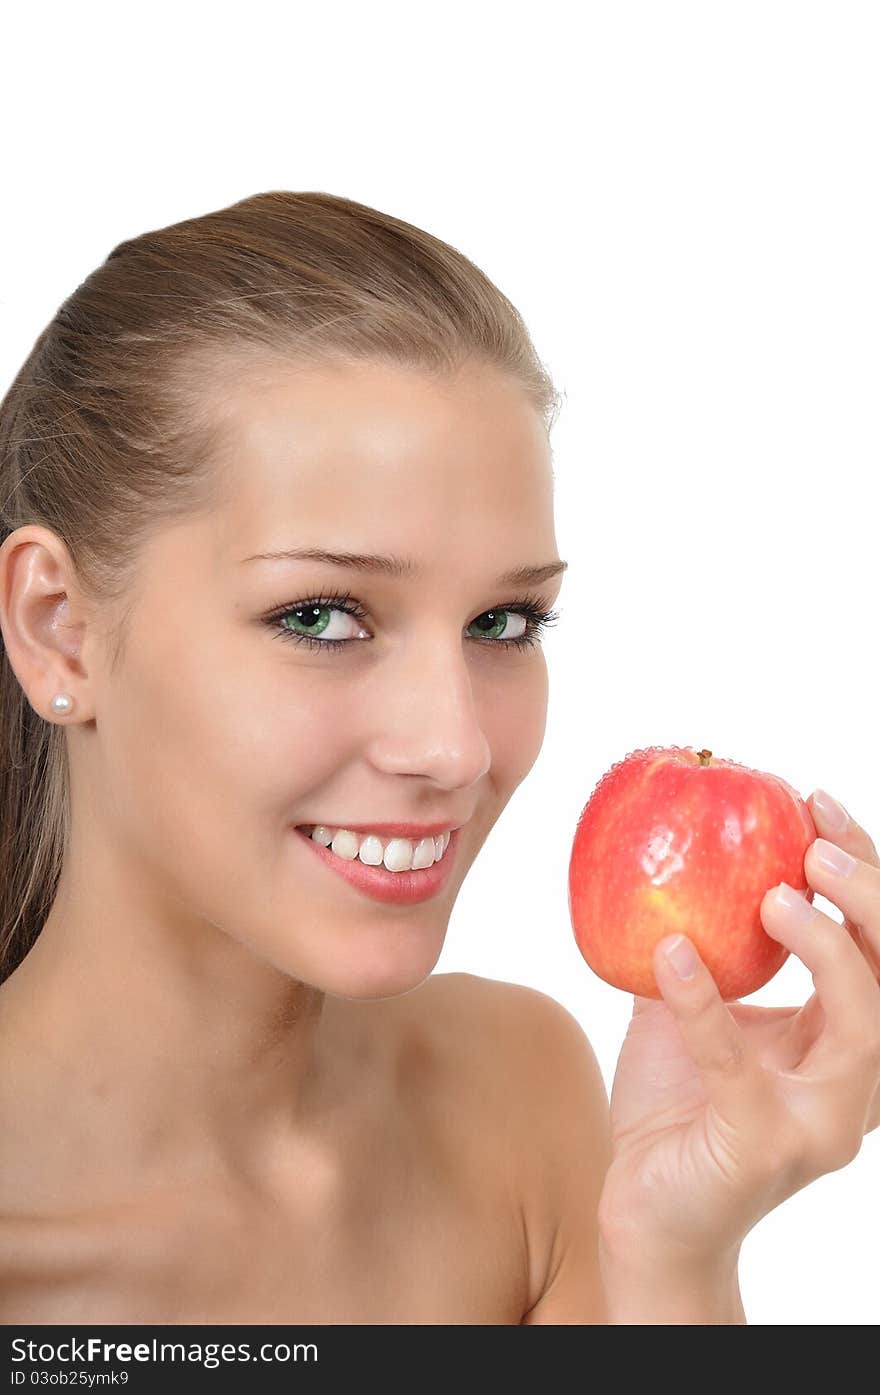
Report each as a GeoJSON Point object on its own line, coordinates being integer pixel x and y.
{"type": "Point", "coordinates": [355, 966]}
{"type": "Point", "coordinates": [384, 977]}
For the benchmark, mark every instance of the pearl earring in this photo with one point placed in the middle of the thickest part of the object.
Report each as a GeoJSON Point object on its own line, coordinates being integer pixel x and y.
{"type": "Point", "coordinates": [62, 702]}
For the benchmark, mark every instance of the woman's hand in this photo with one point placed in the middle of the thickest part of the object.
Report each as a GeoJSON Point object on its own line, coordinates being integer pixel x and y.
{"type": "Point", "coordinates": [719, 1111]}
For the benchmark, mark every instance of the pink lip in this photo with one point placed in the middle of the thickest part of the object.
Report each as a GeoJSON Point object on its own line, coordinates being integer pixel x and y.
{"type": "Point", "coordinates": [401, 888]}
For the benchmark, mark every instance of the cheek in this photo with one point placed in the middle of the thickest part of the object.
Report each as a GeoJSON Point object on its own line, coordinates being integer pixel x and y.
{"type": "Point", "coordinates": [208, 754]}
{"type": "Point", "coordinates": [515, 719]}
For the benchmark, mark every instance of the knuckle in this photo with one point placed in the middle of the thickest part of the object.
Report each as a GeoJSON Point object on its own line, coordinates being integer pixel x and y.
{"type": "Point", "coordinates": [721, 1047]}
{"type": "Point", "coordinates": [728, 1058]}
{"type": "Point", "coordinates": [704, 997]}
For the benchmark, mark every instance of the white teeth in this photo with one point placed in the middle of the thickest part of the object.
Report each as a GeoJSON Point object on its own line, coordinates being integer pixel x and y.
{"type": "Point", "coordinates": [345, 844]}
{"type": "Point", "coordinates": [398, 854]}
{"type": "Point", "coordinates": [424, 854]}
{"type": "Point", "coordinates": [370, 850]}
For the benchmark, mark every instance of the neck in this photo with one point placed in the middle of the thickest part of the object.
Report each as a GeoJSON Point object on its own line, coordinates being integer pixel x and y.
{"type": "Point", "coordinates": [149, 1054]}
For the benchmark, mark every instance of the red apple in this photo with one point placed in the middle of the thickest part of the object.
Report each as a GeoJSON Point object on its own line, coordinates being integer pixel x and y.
{"type": "Point", "coordinates": [676, 840]}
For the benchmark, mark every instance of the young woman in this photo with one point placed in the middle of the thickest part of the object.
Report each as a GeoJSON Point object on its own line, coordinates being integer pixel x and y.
{"type": "Point", "coordinates": [277, 551]}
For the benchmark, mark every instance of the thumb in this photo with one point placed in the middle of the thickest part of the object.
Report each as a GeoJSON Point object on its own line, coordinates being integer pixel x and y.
{"type": "Point", "coordinates": [710, 1034]}
{"type": "Point", "coordinates": [642, 1005]}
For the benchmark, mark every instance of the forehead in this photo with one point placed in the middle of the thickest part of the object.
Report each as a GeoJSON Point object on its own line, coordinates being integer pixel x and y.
{"type": "Point", "coordinates": [309, 450]}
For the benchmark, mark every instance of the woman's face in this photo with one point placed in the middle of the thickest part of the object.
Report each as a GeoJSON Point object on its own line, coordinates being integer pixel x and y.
{"type": "Point", "coordinates": [220, 733]}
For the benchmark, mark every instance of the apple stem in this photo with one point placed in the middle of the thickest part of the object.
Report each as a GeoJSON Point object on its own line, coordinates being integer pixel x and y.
{"type": "Point", "coordinates": [705, 757]}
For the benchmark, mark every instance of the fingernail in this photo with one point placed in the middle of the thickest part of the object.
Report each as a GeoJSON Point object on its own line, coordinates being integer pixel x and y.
{"type": "Point", "coordinates": [681, 958]}
{"type": "Point", "coordinates": [831, 858]}
{"type": "Point", "coordinates": [791, 901]}
{"type": "Point", "coordinates": [833, 814]}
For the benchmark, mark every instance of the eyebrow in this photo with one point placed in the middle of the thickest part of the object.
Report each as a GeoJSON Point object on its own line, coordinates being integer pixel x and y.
{"type": "Point", "coordinates": [398, 566]}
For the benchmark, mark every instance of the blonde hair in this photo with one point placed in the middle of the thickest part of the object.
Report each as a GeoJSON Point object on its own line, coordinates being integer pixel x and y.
{"type": "Point", "coordinates": [108, 432]}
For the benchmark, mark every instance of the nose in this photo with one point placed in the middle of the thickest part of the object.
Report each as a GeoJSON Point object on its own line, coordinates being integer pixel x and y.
{"type": "Point", "coordinates": [424, 718]}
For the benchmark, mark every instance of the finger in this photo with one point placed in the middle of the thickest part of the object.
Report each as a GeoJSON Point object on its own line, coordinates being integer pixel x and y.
{"type": "Point", "coordinates": [847, 990]}
{"type": "Point", "coordinates": [835, 823]}
{"type": "Point", "coordinates": [713, 1039]}
{"type": "Point", "coordinates": [871, 954]}
{"type": "Point", "coordinates": [853, 886]}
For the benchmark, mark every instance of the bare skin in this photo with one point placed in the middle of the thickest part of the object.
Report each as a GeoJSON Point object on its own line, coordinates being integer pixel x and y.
{"type": "Point", "coordinates": [231, 1089]}
{"type": "Point", "coordinates": [399, 1204]}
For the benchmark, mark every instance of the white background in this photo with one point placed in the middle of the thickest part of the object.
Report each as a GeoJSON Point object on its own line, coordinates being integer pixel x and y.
{"type": "Point", "coordinates": [682, 200]}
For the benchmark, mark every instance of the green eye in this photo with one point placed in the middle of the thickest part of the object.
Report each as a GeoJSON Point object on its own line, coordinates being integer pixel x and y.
{"type": "Point", "coordinates": [316, 617]}
{"type": "Point", "coordinates": [498, 624]}
{"type": "Point", "coordinates": [303, 621]}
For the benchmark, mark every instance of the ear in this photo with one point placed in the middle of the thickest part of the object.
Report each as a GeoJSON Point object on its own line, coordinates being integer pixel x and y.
{"type": "Point", "coordinates": [42, 634]}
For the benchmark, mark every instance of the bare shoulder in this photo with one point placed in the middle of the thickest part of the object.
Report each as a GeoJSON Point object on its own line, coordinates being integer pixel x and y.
{"type": "Point", "coordinates": [485, 1030]}
{"type": "Point", "coordinates": [497, 1024]}
{"type": "Point", "coordinates": [520, 1073]}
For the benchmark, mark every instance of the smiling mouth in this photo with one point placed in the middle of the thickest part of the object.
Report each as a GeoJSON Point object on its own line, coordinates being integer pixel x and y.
{"type": "Point", "coordinates": [403, 886]}
{"type": "Point", "coordinates": [395, 854]}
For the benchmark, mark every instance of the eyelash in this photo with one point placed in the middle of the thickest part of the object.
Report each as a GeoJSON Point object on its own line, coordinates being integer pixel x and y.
{"type": "Point", "coordinates": [529, 606]}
